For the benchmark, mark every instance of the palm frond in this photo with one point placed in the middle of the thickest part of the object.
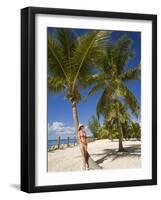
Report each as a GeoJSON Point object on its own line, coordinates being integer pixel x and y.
{"type": "Point", "coordinates": [68, 43]}
{"type": "Point", "coordinates": [110, 111]}
{"type": "Point", "coordinates": [56, 59]}
{"type": "Point", "coordinates": [123, 44]}
{"type": "Point", "coordinates": [96, 88]}
{"type": "Point", "coordinates": [129, 98]}
{"type": "Point", "coordinates": [88, 45]}
{"type": "Point", "coordinates": [123, 51]}
{"type": "Point", "coordinates": [105, 100]}
{"type": "Point", "coordinates": [132, 74]}
{"type": "Point", "coordinates": [100, 105]}
{"type": "Point", "coordinates": [66, 38]}
{"type": "Point", "coordinates": [56, 84]}
{"type": "Point", "coordinates": [94, 79]}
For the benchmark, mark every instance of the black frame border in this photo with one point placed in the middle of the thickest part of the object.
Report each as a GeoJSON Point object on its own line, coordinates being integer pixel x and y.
{"type": "Point", "coordinates": [28, 98]}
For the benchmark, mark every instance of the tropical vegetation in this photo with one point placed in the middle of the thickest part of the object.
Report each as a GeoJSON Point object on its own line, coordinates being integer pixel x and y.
{"type": "Point", "coordinates": [111, 79]}
{"type": "Point", "coordinates": [91, 61]}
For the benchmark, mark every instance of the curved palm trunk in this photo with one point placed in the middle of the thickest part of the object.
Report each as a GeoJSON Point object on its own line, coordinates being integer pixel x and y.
{"type": "Point", "coordinates": [121, 149]}
{"type": "Point", "coordinates": [119, 126]}
{"type": "Point", "coordinates": [91, 162]}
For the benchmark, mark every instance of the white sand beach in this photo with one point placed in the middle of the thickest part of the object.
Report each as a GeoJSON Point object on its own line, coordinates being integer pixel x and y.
{"type": "Point", "coordinates": [104, 152]}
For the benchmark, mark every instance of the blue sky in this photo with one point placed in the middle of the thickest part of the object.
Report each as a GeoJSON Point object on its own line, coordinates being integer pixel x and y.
{"type": "Point", "coordinates": [60, 119]}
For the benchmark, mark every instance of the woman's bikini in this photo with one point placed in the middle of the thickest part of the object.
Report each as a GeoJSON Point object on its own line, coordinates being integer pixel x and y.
{"type": "Point", "coordinates": [83, 136]}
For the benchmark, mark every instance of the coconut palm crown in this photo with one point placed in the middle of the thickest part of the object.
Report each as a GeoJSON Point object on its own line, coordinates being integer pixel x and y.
{"type": "Point", "coordinates": [111, 79]}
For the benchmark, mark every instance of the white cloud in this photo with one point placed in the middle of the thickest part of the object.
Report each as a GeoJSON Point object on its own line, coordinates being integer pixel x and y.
{"type": "Point", "coordinates": [60, 128]}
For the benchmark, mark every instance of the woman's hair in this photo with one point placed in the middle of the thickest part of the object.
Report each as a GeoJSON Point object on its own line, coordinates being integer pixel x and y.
{"type": "Point", "coordinates": [80, 128]}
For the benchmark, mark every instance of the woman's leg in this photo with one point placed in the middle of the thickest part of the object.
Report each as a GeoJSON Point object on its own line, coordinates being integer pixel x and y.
{"type": "Point", "coordinates": [86, 157]}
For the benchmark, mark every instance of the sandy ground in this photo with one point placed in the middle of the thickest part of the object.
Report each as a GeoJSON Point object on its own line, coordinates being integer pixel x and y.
{"type": "Point", "coordinates": [104, 152]}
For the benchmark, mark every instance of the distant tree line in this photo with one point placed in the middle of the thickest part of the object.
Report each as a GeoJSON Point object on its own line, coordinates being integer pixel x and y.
{"type": "Point", "coordinates": [109, 129]}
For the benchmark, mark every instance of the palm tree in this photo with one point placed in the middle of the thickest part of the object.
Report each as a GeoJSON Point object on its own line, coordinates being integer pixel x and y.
{"type": "Point", "coordinates": [129, 128]}
{"type": "Point", "coordinates": [112, 78]}
{"type": "Point", "coordinates": [117, 120]}
{"type": "Point", "coordinates": [70, 63]}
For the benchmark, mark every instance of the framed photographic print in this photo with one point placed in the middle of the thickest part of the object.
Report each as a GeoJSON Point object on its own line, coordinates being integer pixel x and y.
{"type": "Point", "coordinates": [88, 99]}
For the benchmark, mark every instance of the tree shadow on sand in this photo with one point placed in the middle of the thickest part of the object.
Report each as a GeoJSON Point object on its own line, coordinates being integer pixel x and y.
{"type": "Point", "coordinates": [113, 154]}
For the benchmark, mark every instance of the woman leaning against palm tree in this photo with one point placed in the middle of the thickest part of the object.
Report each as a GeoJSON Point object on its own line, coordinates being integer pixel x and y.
{"type": "Point", "coordinates": [69, 65]}
{"type": "Point", "coordinates": [83, 145]}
